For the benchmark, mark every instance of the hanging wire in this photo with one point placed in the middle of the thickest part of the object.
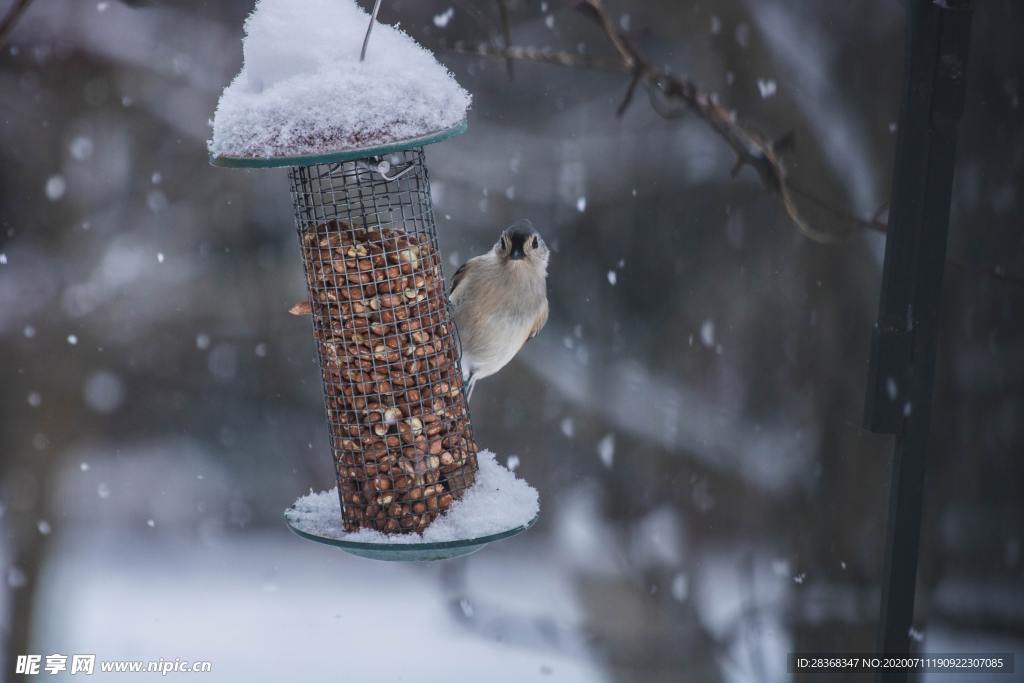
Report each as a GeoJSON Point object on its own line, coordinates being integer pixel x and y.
{"type": "Point", "coordinates": [383, 167]}
{"type": "Point", "coordinates": [369, 28]}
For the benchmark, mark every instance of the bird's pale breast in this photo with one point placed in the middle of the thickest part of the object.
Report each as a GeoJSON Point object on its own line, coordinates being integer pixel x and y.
{"type": "Point", "coordinates": [495, 310]}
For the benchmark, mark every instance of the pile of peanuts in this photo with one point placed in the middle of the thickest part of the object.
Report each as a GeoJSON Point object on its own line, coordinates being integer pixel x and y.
{"type": "Point", "coordinates": [402, 441]}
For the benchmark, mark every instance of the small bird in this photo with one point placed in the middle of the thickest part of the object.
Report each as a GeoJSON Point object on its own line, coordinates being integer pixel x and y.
{"type": "Point", "coordinates": [500, 301]}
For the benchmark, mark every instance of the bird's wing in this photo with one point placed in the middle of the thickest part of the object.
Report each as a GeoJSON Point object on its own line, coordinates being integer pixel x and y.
{"type": "Point", "coordinates": [457, 278]}
{"type": "Point", "coordinates": [542, 318]}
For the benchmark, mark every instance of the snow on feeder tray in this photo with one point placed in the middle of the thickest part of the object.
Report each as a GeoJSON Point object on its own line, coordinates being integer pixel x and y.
{"type": "Point", "coordinates": [411, 483]}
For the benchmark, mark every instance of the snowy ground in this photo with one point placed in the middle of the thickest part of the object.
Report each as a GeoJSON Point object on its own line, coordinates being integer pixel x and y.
{"type": "Point", "coordinates": [314, 613]}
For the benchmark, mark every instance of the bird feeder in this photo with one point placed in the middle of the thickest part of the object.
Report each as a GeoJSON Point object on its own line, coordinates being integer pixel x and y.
{"type": "Point", "coordinates": [400, 430]}
{"type": "Point", "coordinates": [389, 355]}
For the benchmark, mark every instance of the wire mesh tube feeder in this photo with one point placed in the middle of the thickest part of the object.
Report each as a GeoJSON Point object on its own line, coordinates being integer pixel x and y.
{"type": "Point", "coordinates": [400, 430]}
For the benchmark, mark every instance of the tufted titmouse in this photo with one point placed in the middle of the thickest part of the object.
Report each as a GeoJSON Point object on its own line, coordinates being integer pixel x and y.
{"type": "Point", "coordinates": [500, 301]}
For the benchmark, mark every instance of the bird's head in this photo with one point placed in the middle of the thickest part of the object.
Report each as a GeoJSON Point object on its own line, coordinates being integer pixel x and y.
{"type": "Point", "coordinates": [521, 242]}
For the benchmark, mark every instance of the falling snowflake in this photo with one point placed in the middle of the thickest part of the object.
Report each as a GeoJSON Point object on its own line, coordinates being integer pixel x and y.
{"type": "Point", "coordinates": [891, 388]}
{"type": "Point", "coordinates": [581, 204]}
{"type": "Point", "coordinates": [103, 392]}
{"type": "Point", "coordinates": [73, 339]}
{"type": "Point", "coordinates": [56, 186]}
{"type": "Point", "coordinates": [16, 578]}
{"type": "Point", "coordinates": [568, 428]}
{"type": "Point", "coordinates": [441, 20]}
{"type": "Point", "coordinates": [707, 333]}
{"type": "Point", "coordinates": [606, 450]}
{"type": "Point", "coordinates": [44, 527]}
{"type": "Point", "coordinates": [160, 257]}
{"type": "Point", "coordinates": [612, 277]}
{"type": "Point", "coordinates": [81, 148]}
{"type": "Point", "coordinates": [680, 587]}
{"type": "Point", "coordinates": [156, 201]}
{"type": "Point", "coordinates": [513, 463]}
{"type": "Point", "coordinates": [767, 87]}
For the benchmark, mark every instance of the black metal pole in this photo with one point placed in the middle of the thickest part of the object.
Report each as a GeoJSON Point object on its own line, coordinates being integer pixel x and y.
{"type": "Point", "coordinates": [905, 341]}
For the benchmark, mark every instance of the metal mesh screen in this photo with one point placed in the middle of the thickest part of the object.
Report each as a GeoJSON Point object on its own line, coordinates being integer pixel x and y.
{"type": "Point", "coordinates": [389, 353]}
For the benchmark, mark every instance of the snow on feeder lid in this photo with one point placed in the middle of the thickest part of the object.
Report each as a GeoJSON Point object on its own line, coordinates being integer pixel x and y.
{"type": "Point", "coordinates": [352, 133]}
{"type": "Point", "coordinates": [304, 96]}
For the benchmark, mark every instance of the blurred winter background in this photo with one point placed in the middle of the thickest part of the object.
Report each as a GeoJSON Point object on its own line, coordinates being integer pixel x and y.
{"type": "Point", "coordinates": [691, 414]}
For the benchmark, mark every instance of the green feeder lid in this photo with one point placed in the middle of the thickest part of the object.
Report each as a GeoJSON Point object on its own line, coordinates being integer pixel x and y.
{"type": "Point", "coordinates": [413, 552]}
{"type": "Point", "coordinates": [340, 155]}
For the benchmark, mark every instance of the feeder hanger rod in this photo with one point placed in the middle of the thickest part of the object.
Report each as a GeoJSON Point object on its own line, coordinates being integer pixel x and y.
{"type": "Point", "coordinates": [369, 28]}
{"type": "Point", "coordinates": [905, 341]}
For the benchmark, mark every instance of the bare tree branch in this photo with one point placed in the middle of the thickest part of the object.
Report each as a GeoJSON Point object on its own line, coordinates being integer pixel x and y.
{"type": "Point", "coordinates": [853, 223]}
{"type": "Point", "coordinates": [665, 90]}
{"type": "Point", "coordinates": [506, 34]}
{"type": "Point", "coordinates": [628, 98]}
{"type": "Point", "coordinates": [671, 96]}
{"type": "Point", "coordinates": [538, 55]}
{"type": "Point", "coordinates": [11, 18]}
{"type": "Point", "coordinates": [750, 148]}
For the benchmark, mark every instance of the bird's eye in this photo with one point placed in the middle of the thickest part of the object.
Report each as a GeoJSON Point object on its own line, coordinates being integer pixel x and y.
{"type": "Point", "coordinates": [534, 243]}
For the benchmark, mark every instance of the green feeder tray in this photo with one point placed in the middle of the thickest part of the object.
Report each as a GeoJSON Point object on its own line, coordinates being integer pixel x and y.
{"type": "Point", "coordinates": [340, 155]}
{"type": "Point", "coordinates": [413, 552]}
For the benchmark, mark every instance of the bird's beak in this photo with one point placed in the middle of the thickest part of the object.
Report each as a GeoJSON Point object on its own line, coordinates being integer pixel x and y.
{"type": "Point", "coordinates": [518, 243]}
